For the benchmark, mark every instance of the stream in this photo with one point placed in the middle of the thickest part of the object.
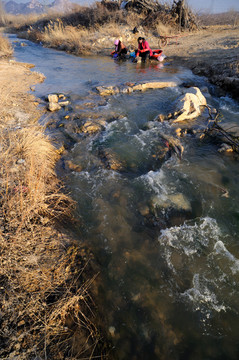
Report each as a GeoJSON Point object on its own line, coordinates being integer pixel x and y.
{"type": "Point", "coordinates": [164, 230]}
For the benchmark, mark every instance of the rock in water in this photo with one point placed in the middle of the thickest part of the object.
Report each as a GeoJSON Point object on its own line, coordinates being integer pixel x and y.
{"type": "Point", "coordinates": [188, 106]}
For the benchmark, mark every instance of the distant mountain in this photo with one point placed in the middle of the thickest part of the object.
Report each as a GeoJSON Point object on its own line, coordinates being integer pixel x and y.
{"type": "Point", "coordinates": [61, 5]}
{"type": "Point", "coordinates": [34, 6]}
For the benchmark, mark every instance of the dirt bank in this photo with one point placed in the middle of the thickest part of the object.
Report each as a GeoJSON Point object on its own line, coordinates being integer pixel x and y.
{"type": "Point", "coordinates": [44, 292]}
{"type": "Point", "coordinates": [211, 52]}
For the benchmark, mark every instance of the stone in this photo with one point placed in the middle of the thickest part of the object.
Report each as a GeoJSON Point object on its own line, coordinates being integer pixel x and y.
{"type": "Point", "coordinates": [112, 331]}
{"type": "Point", "coordinates": [53, 98]}
{"type": "Point", "coordinates": [159, 85]}
{"type": "Point", "coordinates": [62, 96]}
{"type": "Point", "coordinates": [176, 201]}
{"type": "Point", "coordinates": [107, 90]}
{"type": "Point", "coordinates": [178, 132]}
{"type": "Point", "coordinates": [112, 90]}
{"type": "Point", "coordinates": [160, 118]}
{"type": "Point", "coordinates": [110, 160]}
{"type": "Point", "coordinates": [53, 106]}
{"type": "Point", "coordinates": [225, 148]}
{"type": "Point", "coordinates": [175, 144]}
{"type": "Point", "coordinates": [144, 210]}
{"type": "Point", "coordinates": [73, 167]}
{"type": "Point", "coordinates": [64, 103]}
{"type": "Point", "coordinates": [90, 127]}
{"type": "Point", "coordinates": [188, 106]}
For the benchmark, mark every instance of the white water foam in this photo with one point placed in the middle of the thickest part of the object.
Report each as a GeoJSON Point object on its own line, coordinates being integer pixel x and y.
{"type": "Point", "coordinates": [188, 239]}
{"type": "Point", "coordinates": [155, 180]}
{"type": "Point", "coordinates": [202, 297]}
{"type": "Point", "coordinates": [187, 250]}
{"type": "Point", "coordinates": [221, 249]}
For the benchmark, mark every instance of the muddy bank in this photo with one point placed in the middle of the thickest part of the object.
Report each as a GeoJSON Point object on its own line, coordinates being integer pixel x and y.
{"type": "Point", "coordinates": [45, 278]}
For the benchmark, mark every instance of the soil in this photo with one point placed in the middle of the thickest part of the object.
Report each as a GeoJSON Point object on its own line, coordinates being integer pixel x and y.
{"type": "Point", "coordinates": [211, 52]}
{"type": "Point", "coordinates": [17, 105]}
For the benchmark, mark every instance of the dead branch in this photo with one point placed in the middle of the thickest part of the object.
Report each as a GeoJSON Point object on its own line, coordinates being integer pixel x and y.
{"type": "Point", "coordinates": [214, 128]}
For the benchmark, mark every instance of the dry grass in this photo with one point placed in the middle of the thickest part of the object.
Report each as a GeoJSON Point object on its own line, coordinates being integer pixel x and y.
{"type": "Point", "coordinates": [5, 47]}
{"type": "Point", "coordinates": [45, 306]}
{"type": "Point", "coordinates": [29, 188]}
{"type": "Point", "coordinates": [21, 20]}
{"type": "Point", "coordinates": [43, 290]}
{"type": "Point", "coordinates": [66, 38]}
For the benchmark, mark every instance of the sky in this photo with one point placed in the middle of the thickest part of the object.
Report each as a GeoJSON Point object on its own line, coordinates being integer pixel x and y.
{"type": "Point", "coordinates": [208, 6]}
{"type": "Point", "coordinates": [213, 6]}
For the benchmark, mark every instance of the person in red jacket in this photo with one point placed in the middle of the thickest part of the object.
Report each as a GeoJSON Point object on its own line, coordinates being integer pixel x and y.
{"type": "Point", "coordinates": [144, 50]}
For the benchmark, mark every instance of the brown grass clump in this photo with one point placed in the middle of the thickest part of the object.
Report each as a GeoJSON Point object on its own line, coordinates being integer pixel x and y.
{"type": "Point", "coordinates": [29, 188]}
{"type": "Point", "coordinates": [67, 38]}
{"type": "Point", "coordinates": [45, 306]}
{"type": "Point", "coordinates": [43, 289]}
{"type": "Point", "coordinates": [5, 47]}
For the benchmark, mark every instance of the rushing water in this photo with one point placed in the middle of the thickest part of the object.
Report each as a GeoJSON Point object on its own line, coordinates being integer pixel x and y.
{"type": "Point", "coordinates": [164, 231]}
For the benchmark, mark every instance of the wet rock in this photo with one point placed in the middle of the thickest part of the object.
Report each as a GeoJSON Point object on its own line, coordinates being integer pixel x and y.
{"type": "Point", "coordinates": [129, 88]}
{"type": "Point", "coordinates": [91, 127]}
{"type": "Point", "coordinates": [188, 106]}
{"type": "Point", "coordinates": [169, 210]}
{"type": "Point", "coordinates": [107, 90]}
{"type": "Point", "coordinates": [175, 144]}
{"type": "Point", "coordinates": [144, 210]}
{"type": "Point", "coordinates": [62, 96]}
{"type": "Point", "coordinates": [160, 118]}
{"type": "Point", "coordinates": [126, 90]}
{"type": "Point", "coordinates": [73, 167]}
{"type": "Point", "coordinates": [52, 98]}
{"type": "Point", "coordinates": [64, 103]}
{"type": "Point", "coordinates": [178, 132]}
{"type": "Point", "coordinates": [225, 148]}
{"type": "Point", "coordinates": [110, 160]}
{"type": "Point", "coordinates": [175, 201]}
{"type": "Point", "coordinates": [53, 106]}
{"type": "Point", "coordinates": [112, 331]}
{"type": "Point", "coordinates": [158, 85]}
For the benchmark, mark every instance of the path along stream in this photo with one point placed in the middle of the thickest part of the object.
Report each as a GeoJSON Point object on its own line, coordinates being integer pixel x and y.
{"type": "Point", "coordinates": [162, 230]}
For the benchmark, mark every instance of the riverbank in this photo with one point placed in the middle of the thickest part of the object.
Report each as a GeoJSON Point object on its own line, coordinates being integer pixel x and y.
{"type": "Point", "coordinates": [44, 290]}
{"type": "Point", "coordinates": [211, 51]}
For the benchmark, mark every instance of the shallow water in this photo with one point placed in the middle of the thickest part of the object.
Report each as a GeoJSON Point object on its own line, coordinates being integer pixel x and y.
{"type": "Point", "coordinates": [162, 230]}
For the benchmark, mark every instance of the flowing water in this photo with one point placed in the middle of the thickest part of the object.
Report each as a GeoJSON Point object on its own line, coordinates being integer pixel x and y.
{"type": "Point", "coordinates": [163, 230]}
